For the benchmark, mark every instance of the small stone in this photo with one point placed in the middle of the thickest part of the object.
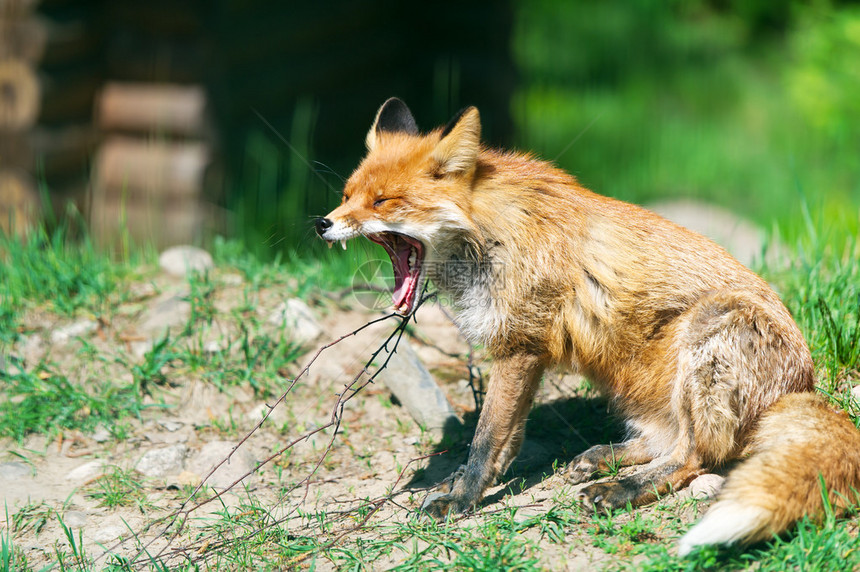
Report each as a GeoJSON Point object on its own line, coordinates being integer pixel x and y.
{"type": "Point", "coordinates": [75, 518]}
{"type": "Point", "coordinates": [142, 291]}
{"type": "Point", "coordinates": [32, 348]}
{"type": "Point", "coordinates": [298, 320]}
{"type": "Point", "coordinates": [159, 463]}
{"type": "Point", "coordinates": [183, 260]}
{"type": "Point", "coordinates": [212, 347]}
{"type": "Point", "coordinates": [408, 379]}
{"type": "Point", "coordinates": [140, 349]}
{"type": "Point", "coordinates": [171, 425]}
{"type": "Point", "coordinates": [13, 470]}
{"type": "Point", "coordinates": [232, 280]}
{"type": "Point", "coordinates": [170, 310]}
{"type": "Point", "coordinates": [85, 472]}
{"type": "Point", "coordinates": [241, 463]}
{"type": "Point", "coordinates": [706, 486]}
{"type": "Point", "coordinates": [107, 534]}
{"type": "Point", "coordinates": [80, 328]}
{"type": "Point", "coordinates": [101, 434]}
{"type": "Point", "coordinates": [165, 438]}
{"type": "Point", "coordinates": [855, 393]}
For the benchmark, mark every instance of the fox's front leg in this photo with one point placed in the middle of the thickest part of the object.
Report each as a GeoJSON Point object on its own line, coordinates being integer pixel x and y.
{"type": "Point", "coordinates": [513, 381]}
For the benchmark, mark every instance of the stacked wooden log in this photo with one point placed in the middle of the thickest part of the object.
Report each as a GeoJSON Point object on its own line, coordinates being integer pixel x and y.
{"type": "Point", "coordinates": [49, 71]}
{"type": "Point", "coordinates": [21, 44]}
{"type": "Point", "coordinates": [151, 175]}
{"type": "Point", "coordinates": [148, 175]}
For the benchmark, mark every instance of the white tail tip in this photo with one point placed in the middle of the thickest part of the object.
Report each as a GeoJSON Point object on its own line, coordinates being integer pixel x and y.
{"type": "Point", "coordinates": [724, 523]}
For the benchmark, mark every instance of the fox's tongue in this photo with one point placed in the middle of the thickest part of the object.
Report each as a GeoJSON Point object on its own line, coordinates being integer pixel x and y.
{"type": "Point", "coordinates": [404, 280]}
{"type": "Point", "coordinates": [406, 257]}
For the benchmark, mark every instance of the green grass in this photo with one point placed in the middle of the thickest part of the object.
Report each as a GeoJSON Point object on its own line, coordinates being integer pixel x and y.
{"type": "Point", "coordinates": [52, 275]}
{"type": "Point", "coordinates": [57, 273]}
{"type": "Point", "coordinates": [119, 488]}
{"type": "Point", "coordinates": [821, 286]}
{"type": "Point", "coordinates": [45, 400]}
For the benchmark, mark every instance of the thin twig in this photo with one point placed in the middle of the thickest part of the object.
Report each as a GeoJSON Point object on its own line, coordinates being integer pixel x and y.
{"type": "Point", "coordinates": [197, 550]}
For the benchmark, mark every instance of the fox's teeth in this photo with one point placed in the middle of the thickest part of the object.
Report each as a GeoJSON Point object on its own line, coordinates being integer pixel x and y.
{"type": "Point", "coordinates": [330, 243]}
{"type": "Point", "coordinates": [343, 244]}
{"type": "Point", "coordinates": [412, 257]}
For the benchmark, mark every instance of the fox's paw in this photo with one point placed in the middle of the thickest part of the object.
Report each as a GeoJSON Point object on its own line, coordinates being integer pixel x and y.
{"type": "Point", "coordinates": [442, 502]}
{"type": "Point", "coordinates": [440, 506]}
{"type": "Point", "coordinates": [599, 497]}
{"type": "Point", "coordinates": [581, 471]}
{"type": "Point", "coordinates": [589, 463]}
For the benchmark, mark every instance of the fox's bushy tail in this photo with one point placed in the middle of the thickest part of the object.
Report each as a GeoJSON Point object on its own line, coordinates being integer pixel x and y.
{"type": "Point", "coordinates": [799, 443]}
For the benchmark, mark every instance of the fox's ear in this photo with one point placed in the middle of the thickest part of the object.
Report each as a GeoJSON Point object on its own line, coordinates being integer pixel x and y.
{"type": "Point", "coordinates": [392, 117]}
{"type": "Point", "coordinates": [457, 150]}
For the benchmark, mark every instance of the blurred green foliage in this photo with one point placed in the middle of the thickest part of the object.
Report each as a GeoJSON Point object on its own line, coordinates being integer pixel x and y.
{"type": "Point", "coordinates": [751, 105]}
{"type": "Point", "coordinates": [824, 80]}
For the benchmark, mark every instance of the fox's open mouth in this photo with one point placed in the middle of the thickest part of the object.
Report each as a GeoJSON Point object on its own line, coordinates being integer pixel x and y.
{"type": "Point", "coordinates": [407, 258]}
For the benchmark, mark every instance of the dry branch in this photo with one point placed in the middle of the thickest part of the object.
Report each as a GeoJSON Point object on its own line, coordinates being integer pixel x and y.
{"type": "Point", "coordinates": [173, 525]}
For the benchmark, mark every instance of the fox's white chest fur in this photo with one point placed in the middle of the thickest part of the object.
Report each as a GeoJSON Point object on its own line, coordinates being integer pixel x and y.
{"type": "Point", "coordinates": [471, 289]}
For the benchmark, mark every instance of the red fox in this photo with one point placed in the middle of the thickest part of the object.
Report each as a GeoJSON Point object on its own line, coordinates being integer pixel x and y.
{"type": "Point", "coordinates": [696, 353]}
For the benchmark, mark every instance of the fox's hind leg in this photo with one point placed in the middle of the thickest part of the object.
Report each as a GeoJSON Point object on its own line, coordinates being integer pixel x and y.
{"type": "Point", "coordinates": [605, 459]}
{"type": "Point", "coordinates": [659, 478]}
{"type": "Point", "coordinates": [513, 382]}
{"type": "Point", "coordinates": [734, 358]}
{"type": "Point", "coordinates": [666, 453]}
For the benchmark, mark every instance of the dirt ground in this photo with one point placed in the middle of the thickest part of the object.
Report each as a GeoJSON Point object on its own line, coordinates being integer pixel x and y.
{"type": "Point", "coordinates": [193, 423]}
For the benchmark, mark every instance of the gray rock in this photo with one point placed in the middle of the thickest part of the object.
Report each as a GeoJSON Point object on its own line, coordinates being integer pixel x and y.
{"type": "Point", "coordinates": [85, 472]}
{"type": "Point", "coordinates": [413, 385]}
{"type": "Point", "coordinates": [66, 333]}
{"type": "Point", "coordinates": [182, 260]}
{"type": "Point", "coordinates": [171, 425]}
{"type": "Point", "coordinates": [101, 434]}
{"type": "Point", "coordinates": [140, 348]}
{"type": "Point", "coordinates": [107, 534]}
{"type": "Point", "coordinates": [141, 291]}
{"type": "Point", "coordinates": [298, 320]}
{"type": "Point", "coordinates": [706, 486]}
{"type": "Point", "coordinates": [169, 311]}
{"type": "Point", "coordinates": [855, 393]}
{"type": "Point", "coordinates": [739, 236]}
{"type": "Point", "coordinates": [232, 280]}
{"type": "Point", "coordinates": [75, 518]}
{"type": "Point", "coordinates": [13, 470]}
{"type": "Point", "coordinates": [159, 463]}
{"type": "Point", "coordinates": [213, 347]}
{"type": "Point", "coordinates": [32, 348]}
{"type": "Point", "coordinates": [241, 463]}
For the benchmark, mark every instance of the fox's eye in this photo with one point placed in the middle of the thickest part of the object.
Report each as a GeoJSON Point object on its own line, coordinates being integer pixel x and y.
{"type": "Point", "coordinates": [378, 202]}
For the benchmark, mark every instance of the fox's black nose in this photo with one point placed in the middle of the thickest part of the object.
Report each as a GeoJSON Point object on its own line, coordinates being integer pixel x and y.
{"type": "Point", "coordinates": [323, 224]}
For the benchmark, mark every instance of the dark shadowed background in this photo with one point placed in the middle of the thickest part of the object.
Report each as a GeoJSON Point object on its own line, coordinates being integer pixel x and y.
{"type": "Point", "coordinates": [175, 121]}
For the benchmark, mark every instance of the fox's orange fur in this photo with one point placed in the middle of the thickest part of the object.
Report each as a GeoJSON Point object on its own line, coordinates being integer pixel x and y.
{"type": "Point", "coordinates": [692, 348]}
